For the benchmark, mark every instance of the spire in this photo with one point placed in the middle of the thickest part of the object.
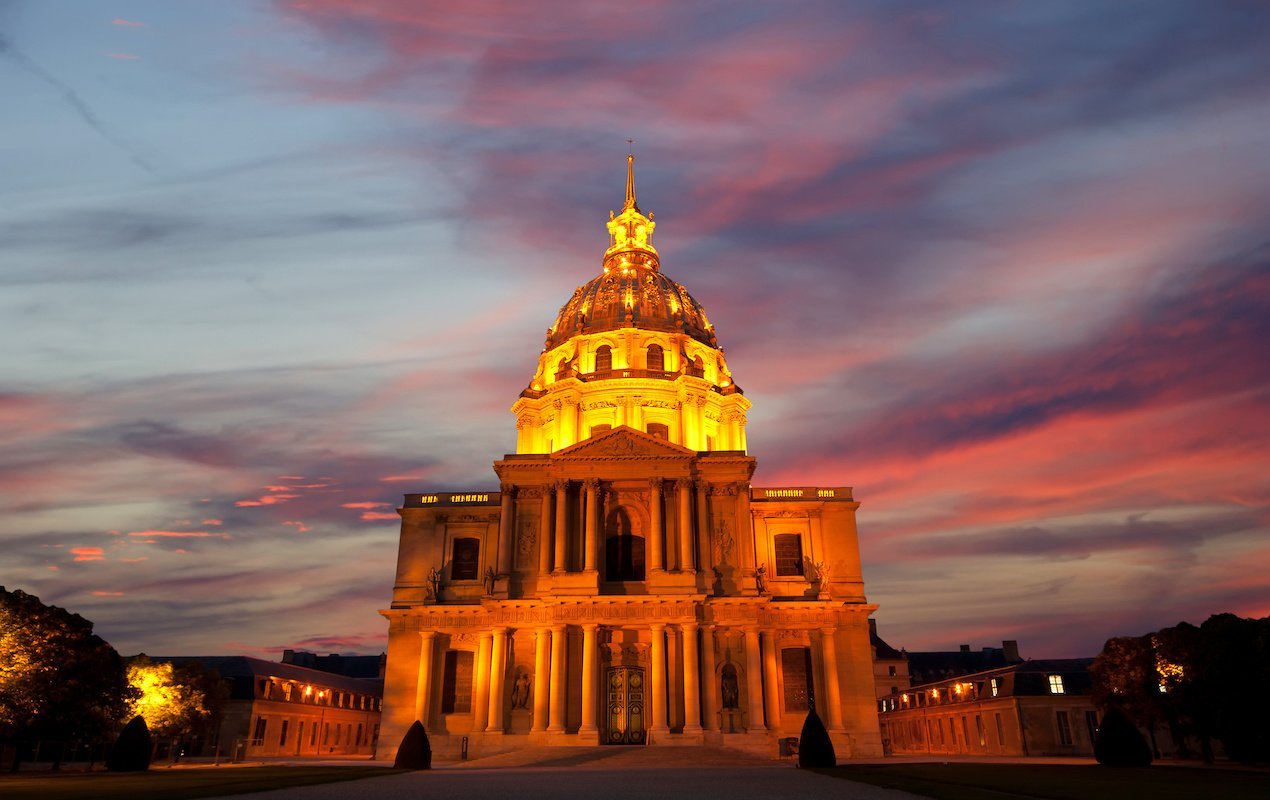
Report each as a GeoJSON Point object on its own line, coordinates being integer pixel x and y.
{"type": "Point", "coordinates": [630, 182]}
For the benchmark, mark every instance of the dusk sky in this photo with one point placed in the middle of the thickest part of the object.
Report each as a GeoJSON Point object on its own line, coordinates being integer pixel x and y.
{"type": "Point", "coordinates": [1004, 267]}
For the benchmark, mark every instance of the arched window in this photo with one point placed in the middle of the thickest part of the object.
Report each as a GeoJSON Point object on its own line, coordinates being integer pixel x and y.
{"type": "Point", "coordinates": [789, 554]}
{"type": "Point", "coordinates": [604, 358]}
{"type": "Point", "coordinates": [623, 549]}
{"type": "Point", "coordinates": [659, 430]}
{"type": "Point", "coordinates": [465, 560]}
{"type": "Point", "coordinates": [656, 358]}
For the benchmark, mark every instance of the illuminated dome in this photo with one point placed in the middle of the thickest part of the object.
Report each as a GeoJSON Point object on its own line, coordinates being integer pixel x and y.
{"type": "Point", "coordinates": [631, 348]}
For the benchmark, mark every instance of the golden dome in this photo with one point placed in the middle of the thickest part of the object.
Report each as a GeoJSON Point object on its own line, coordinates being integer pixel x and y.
{"type": "Point", "coordinates": [631, 291]}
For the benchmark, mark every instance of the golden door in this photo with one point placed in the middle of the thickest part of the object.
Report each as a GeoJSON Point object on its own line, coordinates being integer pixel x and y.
{"type": "Point", "coordinates": [625, 707]}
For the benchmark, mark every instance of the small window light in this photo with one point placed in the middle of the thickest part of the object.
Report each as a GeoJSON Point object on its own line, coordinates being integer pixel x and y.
{"type": "Point", "coordinates": [1056, 684]}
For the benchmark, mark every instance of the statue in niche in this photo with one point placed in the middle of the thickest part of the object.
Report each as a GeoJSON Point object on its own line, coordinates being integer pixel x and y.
{"type": "Point", "coordinates": [520, 691]}
{"type": "Point", "coordinates": [434, 585]}
{"type": "Point", "coordinates": [760, 579]}
{"type": "Point", "coordinates": [731, 691]}
{"type": "Point", "coordinates": [490, 577]}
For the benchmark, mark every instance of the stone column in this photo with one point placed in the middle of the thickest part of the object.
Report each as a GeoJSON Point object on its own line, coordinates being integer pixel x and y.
{"type": "Point", "coordinates": [657, 655]}
{"type": "Point", "coordinates": [481, 682]}
{"type": "Point", "coordinates": [545, 523]}
{"type": "Point", "coordinates": [588, 678]}
{"type": "Point", "coordinates": [542, 660]}
{"type": "Point", "coordinates": [591, 543]}
{"type": "Point", "coordinates": [656, 554]}
{"type": "Point", "coordinates": [692, 692]}
{"type": "Point", "coordinates": [423, 689]}
{"type": "Point", "coordinates": [683, 488]}
{"type": "Point", "coordinates": [833, 697]}
{"type": "Point", "coordinates": [770, 685]}
{"type": "Point", "coordinates": [754, 679]}
{"type": "Point", "coordinates": [709, 683]}
{"type": "Point", "coordinates": [745, 533]}
{"type": "Point", "coordinates": [497, 672]}
{"type": "Point", "coordinates": [558, 675]}
{"type": "Point", "coordinates": [562, 525]}
{"type": "Point", "coordinates": [505, 529]}
{"type": "Point", "coordinates": [704, 555]}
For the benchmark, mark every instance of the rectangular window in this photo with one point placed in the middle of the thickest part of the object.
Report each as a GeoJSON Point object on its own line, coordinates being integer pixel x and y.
{"type": "Point", "coordinates": [260, 730]}
{"type": "Point", "coordinates": [465, 564]}
{"type": "Point", "coordinates": [1064, 728]}
{"type": "Point", "coordinates": [1000, 732]}
{"type": "Point", "coordinates": [456, 682]}
{"type": "Point", "coordinates": [282, 734]}
{"type": "Point", "coordinates": [890, 671]}
{"type": "Point", "coordinates": [994, 686]}
{"type": "Point", "coordinates": [983, 740]}
{"type": "Point", "coordinates": [940, 723]}
{"type": "Point", "coordinates": [796, 670]}
{"type": "Point", "coordinates": [789, 554]}
{"type": "Point", "coordinates": [359, 734]}
{"type": "Point", "coordinates": [1091, 723]}
{"type": "Point", "coordinates": [965, 732]}
{"type": "Point", "coordinates": [1056, 684]}
{"type": "Point", "coordinates": [337, 735]}
{"type": "Point", "coordinates": [313, 736]}
{"type": "Point", "coordinates": [326, 733]}
{"type": "Point", "coordinates": [286, 691]}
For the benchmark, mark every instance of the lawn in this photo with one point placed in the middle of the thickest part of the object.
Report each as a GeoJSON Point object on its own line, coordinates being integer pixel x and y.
{"type": "Point", "coordinates": [173, 784]}
{"type": "Point", "coordinates": [1059, 782]}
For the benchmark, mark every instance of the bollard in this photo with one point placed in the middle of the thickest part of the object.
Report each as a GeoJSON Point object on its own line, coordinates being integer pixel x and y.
{"type": "Point", "coordinates": [463, 750]}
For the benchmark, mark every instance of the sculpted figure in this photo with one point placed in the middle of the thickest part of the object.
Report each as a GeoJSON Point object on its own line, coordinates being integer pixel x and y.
{"type": "Point", "coordinates": [760, 579]}
{"type": "Point", "coordinates": [434, 584]}
{"type": "Point", "coordinates": [520, 691]}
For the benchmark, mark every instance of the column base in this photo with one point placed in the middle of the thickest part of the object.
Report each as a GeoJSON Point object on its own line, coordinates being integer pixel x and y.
{"type": "Point", "coordinates": [575, 583]}
{"type": "Point", "coordinates": [588, 737]}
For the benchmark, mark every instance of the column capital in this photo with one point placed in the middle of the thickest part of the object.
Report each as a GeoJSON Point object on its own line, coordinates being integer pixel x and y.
{"type": "Point", "coordinates": [684, 484]}
{"type": "Point", "coordinates": [591, 484]}
{"type": "Point", "coordinates": [427, 636]}
{"type": "Point", "coordinates": [592, 627]}
{"type": "Point", "coordinates": [559, 627]}
{"type": "Point", "coordinates": [561, 485]}
{"type": "Point", "coordinates": [829, 630]}
{"type": "Point", "coordinates": [689, 626]}
{"type": "Point", "coordinates": [485, 635]}
{"type": "Point", "coordinates": [497, 629]}
{"type": "Point", "coordinates": [657, 626]}
{"type": "Point", "coordinates": [656, 483]}
{"type": "Point", "coordinates": [508, 489]}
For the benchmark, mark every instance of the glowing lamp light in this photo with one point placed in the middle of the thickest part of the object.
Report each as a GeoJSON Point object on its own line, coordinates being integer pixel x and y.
{"type": "Point", "coordinates": [934, 693]}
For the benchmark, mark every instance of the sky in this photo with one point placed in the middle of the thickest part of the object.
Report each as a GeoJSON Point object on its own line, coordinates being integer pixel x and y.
{"type": "Point", "coordinates": [1003, 267]}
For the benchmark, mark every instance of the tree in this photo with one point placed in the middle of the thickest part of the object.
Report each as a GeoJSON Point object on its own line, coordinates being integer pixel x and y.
{"type": "Point", "coordinates": [415, 751]}
{"type": "Point", "coordinates": [815, 748]}
{"type": "Point", "coordinates": [132, 749]}
{"type": "Point", "coordinates": [176, 700]}
{"type": "Point", "coordinates": [1119, 743]}
{"type": "Point", "coordinates": [58, 680]}
{"type": "Point", "coordinates": [1206, 682]}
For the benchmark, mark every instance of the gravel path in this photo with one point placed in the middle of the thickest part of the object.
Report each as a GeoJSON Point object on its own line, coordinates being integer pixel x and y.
{"type": "Point", "coordinates": [603, 774]}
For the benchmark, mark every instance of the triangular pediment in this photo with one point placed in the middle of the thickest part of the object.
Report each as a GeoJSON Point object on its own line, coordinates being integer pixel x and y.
{"type": "Point", "coordinates": [623, 442]}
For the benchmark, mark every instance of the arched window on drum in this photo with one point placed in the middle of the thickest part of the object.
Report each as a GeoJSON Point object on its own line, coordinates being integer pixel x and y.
{"type": "Point", "coordinates": [656, 358]}
{"type": "Point", "coordinates": [604, 358]}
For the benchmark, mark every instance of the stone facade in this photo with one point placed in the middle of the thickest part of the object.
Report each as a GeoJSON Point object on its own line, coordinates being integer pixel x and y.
{"type": "Point", "coordinates": [627, 584]}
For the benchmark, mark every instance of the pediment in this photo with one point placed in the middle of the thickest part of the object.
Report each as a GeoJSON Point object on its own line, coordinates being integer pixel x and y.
{"type": "Point", "coordinates": [623, 442]}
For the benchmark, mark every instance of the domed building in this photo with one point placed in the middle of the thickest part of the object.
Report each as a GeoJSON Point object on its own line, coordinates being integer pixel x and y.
{"type": "Point", "coordinates": [626, 584]}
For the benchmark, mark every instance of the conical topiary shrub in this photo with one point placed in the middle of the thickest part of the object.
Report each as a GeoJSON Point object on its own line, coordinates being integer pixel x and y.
{"type": "Point", "coordinates": [1119, 743]}
{"type": "Point", "coordinates": [415, 751]}
{"type": "Point", "coordinates": [132, 749]}
{"type": "Point", "coordinates": [814, 747]}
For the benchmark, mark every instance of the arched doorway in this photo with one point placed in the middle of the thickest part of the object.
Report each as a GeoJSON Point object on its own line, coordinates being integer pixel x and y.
{"type": "Point", "coordinates": [624, 706]}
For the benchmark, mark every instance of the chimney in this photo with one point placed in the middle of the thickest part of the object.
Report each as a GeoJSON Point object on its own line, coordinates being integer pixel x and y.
{"type": "Point", "coordinates": [288, 656]}
{"type": "Point", "coordinates": [1010, 648]}
{"type": "Point", "coordinates": [965, 648]}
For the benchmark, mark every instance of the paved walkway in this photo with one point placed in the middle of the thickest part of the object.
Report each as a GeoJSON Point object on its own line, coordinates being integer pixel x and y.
{"type": "Point", "coordinates": [590, 773]}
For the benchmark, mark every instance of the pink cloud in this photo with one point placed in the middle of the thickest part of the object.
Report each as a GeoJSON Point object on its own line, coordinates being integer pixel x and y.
{"type": "Point", "coordinates": [364, 504]}
{"type": "Point", "coordinates": [213, 522]}
{"type": "Point", "coordinates": [88, 553]}
{"type": "Point", "coordinates": [127, 23]}
{"type": "Point", "coordinates": [399, 478]}
{"type": "Point", "coordinates": [179, 535]}
{"type": "Point", "coordinates": [299, 526]}
{"type": "Point", "coordinates": [377, 515]}
{"type": "Point", "coordinates": [100, 593]}
{"type": "Point", "coordinates": [266, 500]}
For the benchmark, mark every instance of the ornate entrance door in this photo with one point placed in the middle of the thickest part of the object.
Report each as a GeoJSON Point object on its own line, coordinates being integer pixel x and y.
{"type": "Point", "coordinates": [625, 707]}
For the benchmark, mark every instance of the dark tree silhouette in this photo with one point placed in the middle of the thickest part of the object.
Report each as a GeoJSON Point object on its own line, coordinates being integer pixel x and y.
{"type": "Point", "coordinates": [415, 751]}
{"type": "Point", "coordinates": [814, 746]}
{"type": "Point", "coordinates": [1119, 742]}
{"type": "Point", "coordinates": [132, 749]}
